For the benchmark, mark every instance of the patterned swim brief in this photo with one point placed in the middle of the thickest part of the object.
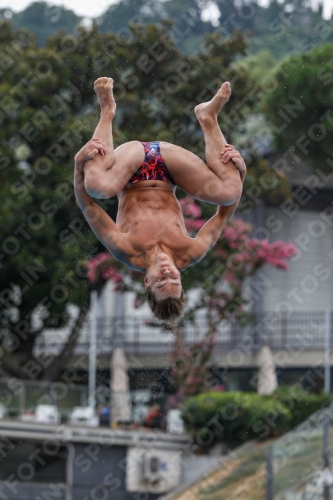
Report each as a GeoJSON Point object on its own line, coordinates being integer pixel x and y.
{"type": "Point", "coordinates": [153, 167]}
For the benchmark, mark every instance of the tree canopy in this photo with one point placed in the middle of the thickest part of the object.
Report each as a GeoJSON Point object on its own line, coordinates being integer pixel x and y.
{"type": "Point", "coordinates": [43, 19]}
{"type": "Point", "coordinates": [282, 27]}
{"type": "Point", "coordinates": [298, 105]}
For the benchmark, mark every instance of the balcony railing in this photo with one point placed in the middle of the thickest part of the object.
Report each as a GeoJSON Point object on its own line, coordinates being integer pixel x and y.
{"type": "Point", "coordinates": [285, 331]}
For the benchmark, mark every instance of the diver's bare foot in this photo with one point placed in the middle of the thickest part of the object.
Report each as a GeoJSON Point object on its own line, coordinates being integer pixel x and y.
{"type": "Point", "coordinates": [209, 110]}
{"type": "Point", "coordinates": [104, 90]}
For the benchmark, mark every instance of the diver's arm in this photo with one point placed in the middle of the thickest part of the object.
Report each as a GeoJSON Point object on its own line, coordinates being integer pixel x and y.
{"type": "Point", "coordinates": [100, 222]}
{"type": "Point", "coordinates": [211, 231]}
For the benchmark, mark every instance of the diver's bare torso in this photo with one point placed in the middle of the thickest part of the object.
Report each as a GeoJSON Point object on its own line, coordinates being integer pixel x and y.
{"type": "Point", "coordinates": [149, 215]}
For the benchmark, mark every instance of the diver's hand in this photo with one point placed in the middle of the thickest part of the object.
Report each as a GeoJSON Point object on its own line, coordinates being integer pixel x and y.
{"type": "Point", "coordinates": [230, 153]}
{"type": "Point", "coordinates": [90, 150]}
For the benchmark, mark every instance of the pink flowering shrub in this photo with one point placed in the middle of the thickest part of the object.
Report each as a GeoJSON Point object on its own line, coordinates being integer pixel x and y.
{"type": "Point", "coordinates": [251, 254]}
{"type": "Point", "coordinates": [103, 268]}
{"type": "Point", "coordinates": [190, 208]}
{"type": "Point", "coordinates": [192, 213]}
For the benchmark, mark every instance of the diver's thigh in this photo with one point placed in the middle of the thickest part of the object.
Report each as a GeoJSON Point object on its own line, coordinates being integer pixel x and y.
{"type": "Point", "coordinates": [128, 158]}
{"type": "Point", "coordinates": [191, 174]}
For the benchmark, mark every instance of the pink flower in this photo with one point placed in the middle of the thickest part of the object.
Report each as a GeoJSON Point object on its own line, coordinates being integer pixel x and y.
{"type": "Point", "coordinates": [194, 225]}
{"type": "Point", "coordinates": [111, 274]}
{"type": "Point", "coordinates": [189, 207]}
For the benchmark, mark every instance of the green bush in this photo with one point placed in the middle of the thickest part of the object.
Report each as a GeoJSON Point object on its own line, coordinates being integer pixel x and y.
{"type": "Point", "coordinates": [234, 417]}
{"type": "Point", "coordinates": [300, 403]}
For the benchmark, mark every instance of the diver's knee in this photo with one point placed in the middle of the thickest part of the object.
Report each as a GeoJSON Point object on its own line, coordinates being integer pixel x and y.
{"type": "Point", "coordinates": [92, 185]}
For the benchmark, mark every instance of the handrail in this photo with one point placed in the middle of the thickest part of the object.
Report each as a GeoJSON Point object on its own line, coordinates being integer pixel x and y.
{"type": "Point", "coordinates": [298, 330]}
{"type": "Point", "coordinates": [298, 459]}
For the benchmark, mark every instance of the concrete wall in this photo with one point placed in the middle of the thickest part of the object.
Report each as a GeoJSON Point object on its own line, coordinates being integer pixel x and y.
{"type": "Point", "coordinates": [97, 463]}
{"type": "Point", "coordinates": [307, 285]}
{"type": "Point", "coordinates": [100, 473]}
{"type": "Point", "coordinates": [32, 491]}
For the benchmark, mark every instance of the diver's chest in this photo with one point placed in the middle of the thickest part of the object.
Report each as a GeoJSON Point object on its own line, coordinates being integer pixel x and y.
{"type": "Point", "coordinates": [157, 228]}
{"type": "Point", "coordinates": [156, 221]}
{"type": "Point", "coordinates": [146, 234]}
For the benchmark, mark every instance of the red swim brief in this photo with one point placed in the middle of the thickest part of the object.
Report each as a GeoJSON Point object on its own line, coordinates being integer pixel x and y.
{"type": "Point", "coordinates": [153, 167]}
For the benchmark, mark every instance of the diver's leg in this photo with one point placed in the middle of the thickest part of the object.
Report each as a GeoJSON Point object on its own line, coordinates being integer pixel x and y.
{"type": "Point", "coordinates": [217, 182]}
{"type": "Point", "coordinates": [106, 175]}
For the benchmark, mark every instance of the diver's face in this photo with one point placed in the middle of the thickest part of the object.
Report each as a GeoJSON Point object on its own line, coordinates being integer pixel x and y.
{"type": "Point", "coordinates": [164, 279]}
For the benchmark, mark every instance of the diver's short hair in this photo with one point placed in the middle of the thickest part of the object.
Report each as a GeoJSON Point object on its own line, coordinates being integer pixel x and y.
{"type": "Point", "coordinates": [168, 310]}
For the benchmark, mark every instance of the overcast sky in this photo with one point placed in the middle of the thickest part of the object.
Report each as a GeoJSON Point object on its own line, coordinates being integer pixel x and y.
{"type": "Point", "coordinates": [92, 8]}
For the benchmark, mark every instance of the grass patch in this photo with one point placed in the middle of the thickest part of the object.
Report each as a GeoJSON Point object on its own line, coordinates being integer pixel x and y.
{"type": "Point", "coordinates": [249, 466]}
{"type": "Point", "coordinates": [242, 477]}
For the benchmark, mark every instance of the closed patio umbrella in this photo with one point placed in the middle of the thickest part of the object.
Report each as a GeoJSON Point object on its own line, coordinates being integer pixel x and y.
{"type": "Point", "coordinates": [267, 380]}
{"type": "Point", "coordinates": [120, 393]}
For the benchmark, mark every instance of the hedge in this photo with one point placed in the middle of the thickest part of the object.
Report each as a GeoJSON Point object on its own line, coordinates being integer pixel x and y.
{"type": "Point", "coordinates": [235, 417]}
{"type": "Point", "coordinates": [301, 404]}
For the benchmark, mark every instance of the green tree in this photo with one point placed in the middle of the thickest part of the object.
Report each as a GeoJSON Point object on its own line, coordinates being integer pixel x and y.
{"type": "Point", "coordinates": [44, 19]}
{"type": "Point", "coordinates": [40, 274]}
{"type": "Point", "coordinates": [289, 27]}
{"type": "Point", "coordinates": [259, 65]}
{"type": "Point", "coordinates": [299, 106]}
{"type": "Point", "coordinates": [119, 15]}
{"type": "Point", "coordinates": [283, 27]}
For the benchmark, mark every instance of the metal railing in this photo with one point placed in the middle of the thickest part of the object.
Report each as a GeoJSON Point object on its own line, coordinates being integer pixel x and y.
{"type": "Point", "coordinates": [20, 396]}
{"type": "Point", "coordinates": [285, 331]}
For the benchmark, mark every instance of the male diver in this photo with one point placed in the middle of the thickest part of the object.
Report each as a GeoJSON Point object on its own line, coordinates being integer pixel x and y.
{"type": "Point", "coordinates": [149, 234]}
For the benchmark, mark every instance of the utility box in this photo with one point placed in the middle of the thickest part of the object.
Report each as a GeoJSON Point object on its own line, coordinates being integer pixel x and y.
{"type": "Point", "coordinates": [152, 470]}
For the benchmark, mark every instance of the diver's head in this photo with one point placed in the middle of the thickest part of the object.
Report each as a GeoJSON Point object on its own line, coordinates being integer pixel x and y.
{"type": "Point", "coordinates": [166, 297]}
